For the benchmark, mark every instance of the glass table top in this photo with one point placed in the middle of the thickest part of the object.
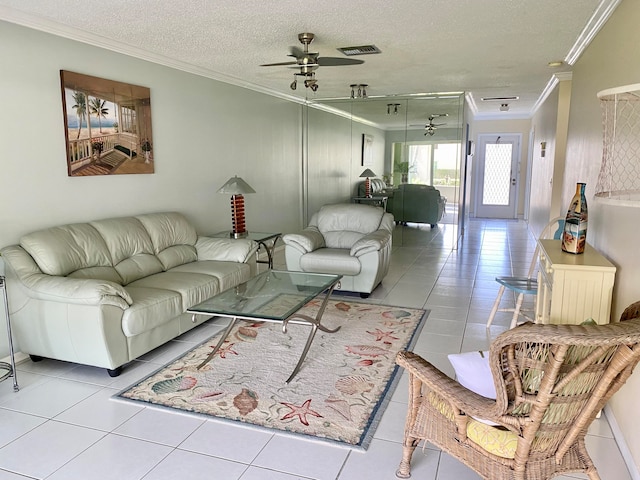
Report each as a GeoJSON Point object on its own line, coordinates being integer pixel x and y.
{"type": "Point", "coordinates": [273, 295]}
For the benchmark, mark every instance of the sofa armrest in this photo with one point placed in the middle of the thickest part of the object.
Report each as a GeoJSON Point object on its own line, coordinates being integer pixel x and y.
{"type": "Point", "coordinates": [373, 242]}
{"type": "Point", "coordinates": [76, 291]}
{"type": "Point", "coordinates": [306, 241]}
{"type": "Point", "coordinates": [225, 249]}
{"type": "Point", "coordinates": [40, 286]}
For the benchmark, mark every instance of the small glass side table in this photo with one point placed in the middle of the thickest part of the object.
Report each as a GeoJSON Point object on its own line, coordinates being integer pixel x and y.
{"type": "Point", "coordinates": [377, 201]}
{"type": "Point", "coordinates": [265, 240]}
{"type": "Point", "coordinates": [10, 368]}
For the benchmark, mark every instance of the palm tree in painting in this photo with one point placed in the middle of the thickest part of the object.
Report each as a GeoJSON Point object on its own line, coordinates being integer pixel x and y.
{"type": "Point", "coordinates": [97, 107]}
{"type": "Point", "coordinates": [80, 106]}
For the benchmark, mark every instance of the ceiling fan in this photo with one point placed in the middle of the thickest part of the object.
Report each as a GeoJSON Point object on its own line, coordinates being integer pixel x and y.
{"type": "Point", "coordinates": [308, 62]}
{"type": "Point", "coordinates": [430, 128]}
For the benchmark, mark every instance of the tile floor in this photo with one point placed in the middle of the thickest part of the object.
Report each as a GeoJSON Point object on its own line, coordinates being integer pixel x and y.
{"type": "Point", "coordinates": [63, 425]}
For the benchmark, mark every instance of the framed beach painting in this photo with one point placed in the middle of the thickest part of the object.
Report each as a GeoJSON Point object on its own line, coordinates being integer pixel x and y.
{"type": "Point", "coordinates": [107, 126]}
{"type": "Point", "coordinates": [367, 150]}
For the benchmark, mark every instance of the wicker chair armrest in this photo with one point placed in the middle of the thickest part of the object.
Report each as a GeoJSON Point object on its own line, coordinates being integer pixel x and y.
{"type": "Point", "coordinates": [462, 398]}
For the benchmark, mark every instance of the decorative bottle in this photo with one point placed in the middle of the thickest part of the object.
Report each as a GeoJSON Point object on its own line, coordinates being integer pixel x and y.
{"type": "Point", "coordinates": [575, 224]}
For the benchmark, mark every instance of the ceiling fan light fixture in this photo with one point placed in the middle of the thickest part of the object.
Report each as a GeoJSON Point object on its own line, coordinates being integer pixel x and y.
{"type": "Point", "coordinates": [358, 90]}
{"type": "Point", "coordinates": [504, 107]}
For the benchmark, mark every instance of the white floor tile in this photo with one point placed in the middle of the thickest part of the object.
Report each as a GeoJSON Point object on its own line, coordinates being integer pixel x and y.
{"type": "Point", "coordinates": [391, 427]}
{"type": "Point", "coordinates": [606, 457]}
{"type": "Point", "coordinates": [194, 466]}
{"type": "Point", "coordinates": [381, 461]}
{"type": "Point", "coordinates": [48, 399]}
{"type": "Point", "coordinates": [450, 468]}
{"type": "Point", "coordinates": [46, 448]}
{"type": "Point", "coordinates": [313, 459]}
{"type": "Point", "coordinates": [98, 412]}
{"type": "Point", "coordinates": [158, 426]}
{"type": "Point", "coordinates": [257, 473]}
{"type": "Point", "coordinates": [16, 424]}
{"type": "Point", "coordinates": [113, 457]}
{"type": "Point", "coordinates": [227, 440]}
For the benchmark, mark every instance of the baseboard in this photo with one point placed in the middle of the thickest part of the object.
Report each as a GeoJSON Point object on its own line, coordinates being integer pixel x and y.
{"type": "Point", "coordinates": [622, 444]}
{"type": "Point", "coordinates": [18, 356]}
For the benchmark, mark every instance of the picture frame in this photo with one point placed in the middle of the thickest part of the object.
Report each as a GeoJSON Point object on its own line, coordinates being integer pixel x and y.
{"type": "Point", "coordinates": [107, 126]}
{"type": "Point", "coordinates": [367, 150]}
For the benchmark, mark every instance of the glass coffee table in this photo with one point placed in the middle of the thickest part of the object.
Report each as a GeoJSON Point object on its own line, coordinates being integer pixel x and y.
{"type": "Point", "coordinates": [272, 296]}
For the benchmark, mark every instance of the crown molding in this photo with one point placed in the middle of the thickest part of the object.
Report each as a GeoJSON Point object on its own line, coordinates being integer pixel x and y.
{"type": "Point", "coordinates": [593, 26]}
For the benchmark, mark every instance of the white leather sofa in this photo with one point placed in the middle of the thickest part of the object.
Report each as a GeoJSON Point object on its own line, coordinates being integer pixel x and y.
{"type": "Point", "coordinates": [105, 292]}
{"type": "Point", "coordinates": [352, 240]}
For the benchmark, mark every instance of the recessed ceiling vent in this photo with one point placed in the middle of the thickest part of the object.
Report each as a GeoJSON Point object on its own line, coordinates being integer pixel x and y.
{"type": "Point", "coordinates": [498, 99]}
{"type": "Point", "coordinates": [361, 50]}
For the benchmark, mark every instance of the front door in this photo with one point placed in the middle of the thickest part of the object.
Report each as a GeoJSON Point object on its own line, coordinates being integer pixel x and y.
{"type": "Point", "coordinates": [497, 179]}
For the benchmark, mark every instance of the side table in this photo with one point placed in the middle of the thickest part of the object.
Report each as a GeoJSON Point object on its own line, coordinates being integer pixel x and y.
{"type": "Point", "coordinates": [377, 201]}
{"type": "Point", "coordinates": [11, 368]}
{"type": "Point", "coordinates": [265, 240]}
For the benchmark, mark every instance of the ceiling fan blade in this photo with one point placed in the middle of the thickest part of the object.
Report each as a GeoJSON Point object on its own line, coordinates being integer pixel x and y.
{"type": "Point", "coordinates": [278, 64]}
{"type": "Point", "coordinates": [299, 53]}
{"type": "Point", "coordinates": [337, 61]}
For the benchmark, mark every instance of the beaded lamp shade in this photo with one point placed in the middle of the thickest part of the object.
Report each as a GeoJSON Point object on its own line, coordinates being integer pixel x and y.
{"type": "Point", "coordinates": [237, 187]}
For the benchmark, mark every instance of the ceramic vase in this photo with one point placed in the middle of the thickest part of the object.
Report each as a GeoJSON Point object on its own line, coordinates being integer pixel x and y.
{"type": "Point", "coordinates": [574, 238]}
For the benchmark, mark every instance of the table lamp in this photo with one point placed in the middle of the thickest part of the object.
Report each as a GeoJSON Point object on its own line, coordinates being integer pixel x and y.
{"type": "Point", "coordinates": [236, 186]}
{"type": "Point", "coordinates": [367, 183]}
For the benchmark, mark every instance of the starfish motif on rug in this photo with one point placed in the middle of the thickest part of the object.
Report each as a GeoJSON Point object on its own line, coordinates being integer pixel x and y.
{"type": "Point", "coordinates": [382, 336]}
{"type": "Point", "coordinates": [300, 411]}
{"type": "Point", "coordinates": [225, 349]}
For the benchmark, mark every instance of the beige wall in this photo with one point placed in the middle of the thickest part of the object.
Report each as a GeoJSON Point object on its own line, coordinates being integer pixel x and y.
{"type": "Point", "coordinates": [610, 61]}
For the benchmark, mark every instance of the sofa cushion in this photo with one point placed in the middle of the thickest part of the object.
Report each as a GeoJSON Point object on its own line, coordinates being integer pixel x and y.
{"type": "Point", "coordinates": [342, 225]}
{"type": "Point", "coordinates": [98, 273]}
{"type": "Point", "coordinates": [131, 248]}
{"type": "Point", "coordinates": [172, 236]}
{"type": "Point", "coordinates": [65, 249]}
{"type": "Point", "coordinates": [151, 308]}
{"type": "Point", "coordinates": [229, 274]}
{"type": "Point", "coordinates": [330, 260]}
{"type": "Point", "coordinates": [192, 287]}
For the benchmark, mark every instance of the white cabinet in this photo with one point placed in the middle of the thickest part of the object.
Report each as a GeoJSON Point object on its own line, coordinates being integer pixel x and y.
{"type": "Point", "coordinates": [572, 288]}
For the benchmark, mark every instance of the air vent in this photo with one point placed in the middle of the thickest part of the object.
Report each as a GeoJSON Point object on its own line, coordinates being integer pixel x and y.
{"type": "Point", "coordinates": [498, 99]}
{"type": "Point", "coordinates": [362, 50]}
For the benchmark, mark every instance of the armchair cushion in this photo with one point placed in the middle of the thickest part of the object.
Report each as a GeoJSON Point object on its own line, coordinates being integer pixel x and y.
{"type": "Point", "coordinates": [330, 260]}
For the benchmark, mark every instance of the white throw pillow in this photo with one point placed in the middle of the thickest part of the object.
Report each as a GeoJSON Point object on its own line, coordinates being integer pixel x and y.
{"type": "Point", "coordinates": [473, 372]}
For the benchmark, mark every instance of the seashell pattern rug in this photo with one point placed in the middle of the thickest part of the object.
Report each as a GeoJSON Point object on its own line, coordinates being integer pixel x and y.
{"type": "Point", "coordinates": [339, 393]}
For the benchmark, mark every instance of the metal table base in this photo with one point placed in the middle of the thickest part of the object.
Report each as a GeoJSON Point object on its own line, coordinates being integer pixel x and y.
{"type": "Point", "coordinates": [296, 319]}
{"type": "Point", "coordinates": [11, 368]}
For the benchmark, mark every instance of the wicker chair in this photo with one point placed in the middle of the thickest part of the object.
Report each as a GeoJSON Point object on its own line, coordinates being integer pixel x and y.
{"type": "Point", "coordinates": [551, 382]}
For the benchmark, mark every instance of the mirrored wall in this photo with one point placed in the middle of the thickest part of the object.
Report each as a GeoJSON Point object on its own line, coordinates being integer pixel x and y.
{"type": "Point", "coordinates": [416, 139]}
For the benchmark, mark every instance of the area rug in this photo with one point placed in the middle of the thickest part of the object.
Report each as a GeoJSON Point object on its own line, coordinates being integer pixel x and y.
{"type": "Point", "coordinates": [339, 394]}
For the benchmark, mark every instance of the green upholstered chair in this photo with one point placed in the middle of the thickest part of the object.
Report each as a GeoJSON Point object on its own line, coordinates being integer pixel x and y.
{"type": "Point", "coordinates": [416, 204]}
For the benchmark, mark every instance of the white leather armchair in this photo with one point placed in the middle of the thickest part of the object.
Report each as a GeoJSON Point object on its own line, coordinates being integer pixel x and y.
{"type": "Point", "coordinates": [352, 240]}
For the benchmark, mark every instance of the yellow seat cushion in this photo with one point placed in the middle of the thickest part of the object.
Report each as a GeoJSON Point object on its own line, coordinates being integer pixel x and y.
{"type": "Point", "coordinates": [495, 440]}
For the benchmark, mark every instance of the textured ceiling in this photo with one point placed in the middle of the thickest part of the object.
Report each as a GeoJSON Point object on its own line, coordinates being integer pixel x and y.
{"type": "Point", "coordinates": [485, 48]}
